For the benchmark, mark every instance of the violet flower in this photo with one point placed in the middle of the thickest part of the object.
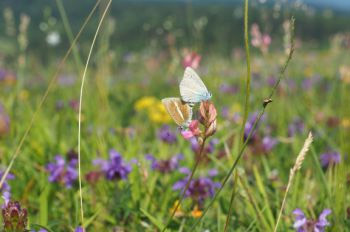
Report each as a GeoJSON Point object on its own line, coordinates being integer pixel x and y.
{"type": "Point", "coordinates": [4, 121]}
{"type": "Point", "coordinates": [8, 77]}
{"type": "Point", "coordinates": [302, 224]}
{"type": "Point", "coordinates": [6, 188]}
{"type": "Point", "coordinates": [115, 167]}
{"type": "Point", "coordinates": [271, 81]}
{"type": "Point", "coordinates": [229, 89]}
{"type": "Point", "coordinates": [199, 188]}
{"type": "Point", "coordinates": [207, 150]}
{"type": "Point", "coordinates": [166, 135]}
{"type": "Point", "coordinates": [268, 143]}
{"type": "Point", "coordinates": [79, 229]}
{"type": "Point", "coordinates": [15, 218]}
{"type": "Point", "coordinates": [330, 158]}
{"type": "Point", "coordinates": [165, 166]}
{"type": "Point", "coordinates": [249, 124]}
{"type": "Point", "coordinates": [296, 127]}
{"type": "Point", "coordinates": [63, 172]}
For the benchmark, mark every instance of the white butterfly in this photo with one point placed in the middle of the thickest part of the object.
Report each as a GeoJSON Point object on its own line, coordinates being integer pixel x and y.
{"type": "Point", "coordinates": [192, 88]}
{"type": "Point", "coordinates": [180, 111]}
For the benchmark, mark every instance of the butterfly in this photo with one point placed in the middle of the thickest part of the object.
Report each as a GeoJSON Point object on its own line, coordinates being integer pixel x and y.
{"type": "Point", "coordinates": [192, 88]}
{"type": "Point", "coordinates": [180, 111]}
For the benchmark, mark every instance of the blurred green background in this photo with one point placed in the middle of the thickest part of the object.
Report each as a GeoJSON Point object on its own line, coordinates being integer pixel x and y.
{"type": "Point", "coordinates": [211, 25]}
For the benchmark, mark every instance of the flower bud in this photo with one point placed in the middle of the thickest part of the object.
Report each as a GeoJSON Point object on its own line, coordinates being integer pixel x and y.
{"type": "Point", "coordinates": [208, 115]}
{"type": "Point", "coordinates": [14, 218]}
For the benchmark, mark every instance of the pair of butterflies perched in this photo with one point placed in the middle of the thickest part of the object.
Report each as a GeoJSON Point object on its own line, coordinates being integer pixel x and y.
{"type": "Point", "coordinates": [192, 91]}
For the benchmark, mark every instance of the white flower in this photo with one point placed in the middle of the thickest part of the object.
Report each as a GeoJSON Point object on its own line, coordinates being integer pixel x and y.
{"type": "Point", "coordinates": [53, 38]}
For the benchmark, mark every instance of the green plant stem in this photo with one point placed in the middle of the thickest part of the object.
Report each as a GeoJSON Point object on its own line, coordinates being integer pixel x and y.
{"type": "Point", "coordinates": [43, 99]}
{"type": "Point", "coordinates": [261, 113]}
{"type": "Point", "coordinates": [80, 106]}
{"type": "Point", "coordinates": [187, 184]}
{"type": "Point", "coordinates": [247, 95]}
{"type": "Point", "coordinates": [231, 203]}
{"type": "Point", "coordinates": [69, 33]}
{"type": "Point", "coordinates": [247, 51]}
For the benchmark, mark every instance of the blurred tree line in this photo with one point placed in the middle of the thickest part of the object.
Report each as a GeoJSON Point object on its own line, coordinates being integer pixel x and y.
{"type": "Point", "coordinates": [207, 26]}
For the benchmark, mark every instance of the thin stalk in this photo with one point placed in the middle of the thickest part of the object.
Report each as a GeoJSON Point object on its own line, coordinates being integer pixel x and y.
{"type": "Point", "coordinates": [246, 106]}
{"type": "Point", "coordinates": [80, 104]}
{"type": "Point", "coordinates": [231, 203]}
{"type": "Point", "coordinates": [187, 184]}
{"type": "Point", "coordinates": [69, 33]}
{"type": "Point", "coordinates": [247, 51]}
{"type": "Point", "coordinates": [51, 84]}
{"type": "Point", "coordinates": [261, 113]}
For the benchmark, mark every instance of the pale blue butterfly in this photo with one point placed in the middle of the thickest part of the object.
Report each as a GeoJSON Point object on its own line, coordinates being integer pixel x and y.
{"type": "Point", "coordinates": [192, 88]}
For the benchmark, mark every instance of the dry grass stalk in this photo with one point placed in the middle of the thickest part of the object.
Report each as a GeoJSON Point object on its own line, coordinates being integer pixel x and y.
{"type": "Point", "coordinates": [299, 161]}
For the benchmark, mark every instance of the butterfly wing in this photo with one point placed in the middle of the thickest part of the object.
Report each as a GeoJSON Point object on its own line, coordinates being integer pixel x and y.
{"type": "Point", "coordinates": [179, 111]}
{"type": "Point", "coordinates": [192, 88]}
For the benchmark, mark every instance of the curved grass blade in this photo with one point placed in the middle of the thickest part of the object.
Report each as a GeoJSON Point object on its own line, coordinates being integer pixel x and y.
{"type": "Point", "coordinates": [80, 105]}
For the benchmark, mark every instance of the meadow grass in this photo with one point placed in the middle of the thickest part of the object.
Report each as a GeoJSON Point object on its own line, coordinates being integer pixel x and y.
{"type": "Point", "coordinates": [144, 201]}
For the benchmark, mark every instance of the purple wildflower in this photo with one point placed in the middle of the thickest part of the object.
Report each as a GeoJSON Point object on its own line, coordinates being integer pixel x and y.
{"type": "Point", "coordinates": [79, 229]}
{"type": "Point", "coordinates": [74, 104]}
{"type": "Point", "coordinates": [63, 172]}
{"type": "Point", "coordinates": [229, 89]}
{"type": "Point", "coordinates": [208, 149]}
{"type": "Point", "coordinates": [329, 158]}
{"type": "Point", "coordinates": [308, 83]}
{"type": "Point", "coordinates": [296, 127]}
{"type": "Point", "coordinates": [302, 224]}
{"type": "Point", "coordinates": [249, 124]}
{"type": "Point", "coordinates": [199, 189]}
{"type": "Point", "coordinates": [6, 188]}
{"type": "Point", "coordinates": [115, 167]}
{"type": "Point", "coordinates": [268, 143]}
{"type": "Point", "coordinates": [165, 166]}
{"type": "Point", "coordinates": [14, 217]}
{"type": "Point", "coordinates": [271, 81]}
{"type": "Point", "coordinates": [4, 121]}
{"type": "Point", "coordinates": [166, 135]}
{"type": "Point", "coordinates": [66, 80]}
{"type": "Point", "coordinates": [8, 77]}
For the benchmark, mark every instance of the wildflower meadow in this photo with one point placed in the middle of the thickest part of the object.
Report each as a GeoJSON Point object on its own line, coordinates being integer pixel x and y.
{"type": "Point", "coordinates": [129, 116]}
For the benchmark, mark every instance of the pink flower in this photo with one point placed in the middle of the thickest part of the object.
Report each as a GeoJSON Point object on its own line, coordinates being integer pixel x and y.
{"type": "Point", "coordinates": [193, 130]}
{"type": "Point", "coordinates": [187, 134]}
{"type": "Point", "coordinates": [266, 40]}
{"type": "Point", "coordinates": [259, 40]}
{"type": "Point", "coordinates": [191, 59]}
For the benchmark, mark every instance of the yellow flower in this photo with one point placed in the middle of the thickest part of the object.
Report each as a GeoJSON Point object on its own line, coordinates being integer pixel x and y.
{"type": "Point", "coordinates": [236, 108]}
{"type": "Point", "coordinates": [196, 213]}
{"type": "Point", "coordinates": [345, 73]}
{"type": "Point", "coordinates": [179, 212]}
{"type": "Point", "coordinates": [345, 122]}
{"type": "Point", "coordinates": [308, 72]}
{"type": "Point", "coordinates": [145, 103]}
{"type": "Point", "coordinates": [23, 95]}
{"type": "Point", "coordinates": [158, 113]}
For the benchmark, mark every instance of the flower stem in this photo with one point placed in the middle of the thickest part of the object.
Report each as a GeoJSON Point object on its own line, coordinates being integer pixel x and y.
{"type": "Point", "coordinates": [262, 111]}
{"type": "Point", "coordinates": [187, 184]}
{"type": "Point", "coordinates": [247, 95]}
{"type": "Point", "coordinates": [80, 106]}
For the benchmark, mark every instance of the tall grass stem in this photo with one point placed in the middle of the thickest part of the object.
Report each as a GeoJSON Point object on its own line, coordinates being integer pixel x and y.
{"type": "Point", "coordinates": [51, 84]}
{"type": "Point", "coordinates": [261, 113]}
{"type": "Point", "coordinates": [296, 167]}
{"type": "Point", "coordinates": [80, 105]}
{"type": "Point", "coordinates": [247, 94]}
